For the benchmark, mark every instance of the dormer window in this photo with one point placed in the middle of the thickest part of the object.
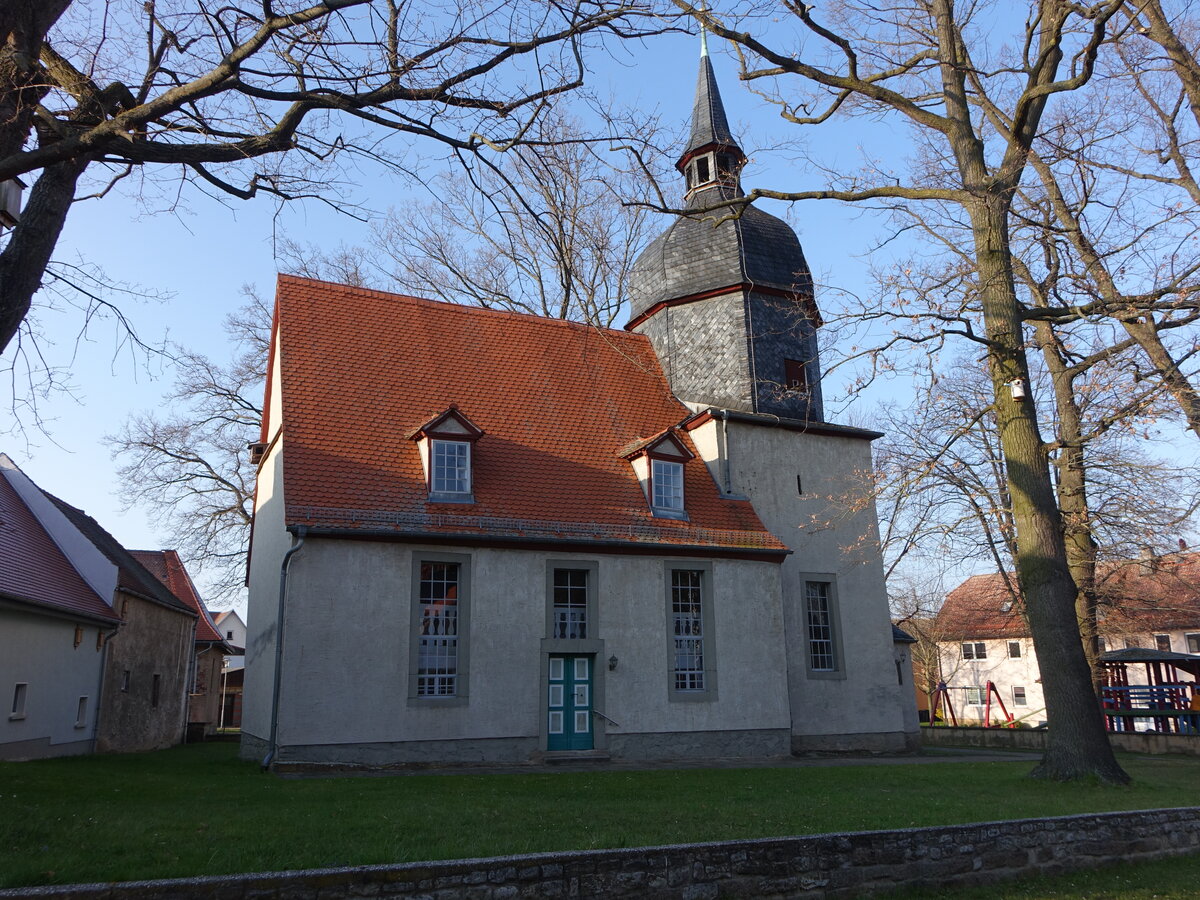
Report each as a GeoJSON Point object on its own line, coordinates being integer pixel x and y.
{"type": "Point", "coordinates": [658, 462]}
{"type": "Point", "coordinates": [450, 469]}
{"type": "Point", "coordinates": [446, 444]}
{"type": "Point", "coordinates": [666, 485]}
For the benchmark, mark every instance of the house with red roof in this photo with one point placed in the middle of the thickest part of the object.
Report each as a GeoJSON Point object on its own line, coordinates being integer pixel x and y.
{"type": "Point", "coordinates": [94, 650]}
{"type": "Point", "coordinates": [487, 536]}
{"type": "Point", "coordinates": [1152, 603]}
{"type": "Point", "coordinates": [209, 647]}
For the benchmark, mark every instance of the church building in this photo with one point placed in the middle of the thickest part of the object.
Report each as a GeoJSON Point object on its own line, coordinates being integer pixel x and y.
{"type": "Point", "coordinates": [483, 536]}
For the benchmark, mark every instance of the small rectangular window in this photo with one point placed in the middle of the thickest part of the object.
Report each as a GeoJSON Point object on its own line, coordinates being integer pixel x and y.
{"type": "Point", "coordinates": [1014, 649]}
{"type": "Point", "coordinates": [570, 604]}
{"type": "Point", "coordinates": [1018, 695]}
{"type": "Point", "coordinates": [437, 647]}
{"type": "Point", "coordinates": [974, 696]}
{"type": "Point", "coordinates": [667, 481]}
{"type": "Point", "coordinates": [1101, 644]}
{"type": "Point", "coordinates": [702, 170]}
{"type": "Point", "coordinates": [795, 376]}
{"type": "Point", "coordinates": [974, 650]}
{"type": "Point", "coordinates": [155, 687]}
{"type": "Point", "coordinates": [687, 619]}
{"type": "Point", "coordinates": [81, 713]}
{"type": "Point", "coordinates": [1193, 643]}
{"type": "Point", "coordinates": [1163, 642]}
{"type": "Point", "coordinates": [450, 467]}
{"type": "Point", "coordinates": [822, 651]}
{"type": "Point", "coordinates": [18, 704]}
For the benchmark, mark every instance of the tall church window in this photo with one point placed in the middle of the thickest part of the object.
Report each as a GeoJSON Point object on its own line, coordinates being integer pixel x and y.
{"type": "Point", "coordinates": [687, 620]}
{"type": "Point", "coordinates": [570, 593]}
{"type": "Point", "coordinates": [437, 653]}
{"type": "Point", "coordinates": [822, 629]}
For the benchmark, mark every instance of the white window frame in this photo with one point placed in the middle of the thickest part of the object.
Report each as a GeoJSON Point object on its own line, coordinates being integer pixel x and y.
{"type": "Point", "coordinates": [974, 650]}
{"type": "Point", "coordinates": [1192, 642]}
{"type": "Point", "coordinates": [453, 686]}
{"type": "Point", "coordinates": [1014, 645]}
{"type": "Point", "coordinates": [822, 627]}
{"type": "Point", "coordinates": [438, 466]}
{"type": "Point", "coordinates": [1160, 639]}
{"type": "Point", "coordinates": [666, 487]}
{"type": "Point", "coordinates": [691, 644]}
{"type": "Point", "coordinates": [20, 696]}
{"type": "Point", "coordinates": [1021, 699]}
{"type": "Point", "coordinates": [975, 695]}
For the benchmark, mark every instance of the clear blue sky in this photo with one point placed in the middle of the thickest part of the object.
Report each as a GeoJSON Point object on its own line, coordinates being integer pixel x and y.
{"type": "Point", "coordinates": [202, 252]}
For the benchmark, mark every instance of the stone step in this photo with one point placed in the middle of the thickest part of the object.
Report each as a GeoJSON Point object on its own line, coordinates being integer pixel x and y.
{"type": "Point", "coordinates": [559, 757]}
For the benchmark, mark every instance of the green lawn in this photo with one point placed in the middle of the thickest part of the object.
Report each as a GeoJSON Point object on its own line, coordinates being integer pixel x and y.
{"type": "Point", "coordinates": [199, 810]}
{"type": "Point", "coordinates": [1168, 879]}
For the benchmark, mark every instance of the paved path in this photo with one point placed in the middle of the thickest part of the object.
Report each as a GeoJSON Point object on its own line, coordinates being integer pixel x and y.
{"type": "Point", "coordinates": [924, 757]}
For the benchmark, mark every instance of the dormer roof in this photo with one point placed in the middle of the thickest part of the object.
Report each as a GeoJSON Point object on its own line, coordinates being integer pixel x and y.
{"type": "Point", "coordinates": [450, 425]}
{"type": "Point", "coordinates": [667, 443]}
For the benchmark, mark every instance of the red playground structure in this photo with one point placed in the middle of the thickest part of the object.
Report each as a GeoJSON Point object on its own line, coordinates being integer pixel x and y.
{"type": "Point", "coordinates": [941, 698]}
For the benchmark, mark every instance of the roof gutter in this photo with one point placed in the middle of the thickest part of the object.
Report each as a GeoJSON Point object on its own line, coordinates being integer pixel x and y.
{"type": "Point", "coordinates": [646, 548]}
{"type": "Point", "coordinates": [273, 747]}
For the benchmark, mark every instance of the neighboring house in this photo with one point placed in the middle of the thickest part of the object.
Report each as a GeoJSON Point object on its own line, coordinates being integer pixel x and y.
{"type": "Point", "coordinates": [231, 627]}
{"type": "Point", "coordinates": [139, 635]}
{"type": "Point", "coordinates": [1152, 603]}
{"type": "Point", "coordinates": [210, 649]}
{"type": "Point", "coordinates": [502, 536]}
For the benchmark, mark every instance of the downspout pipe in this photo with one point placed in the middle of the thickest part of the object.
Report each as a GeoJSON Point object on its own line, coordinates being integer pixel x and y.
{"type": "Point", "coordinates": [273, 747]}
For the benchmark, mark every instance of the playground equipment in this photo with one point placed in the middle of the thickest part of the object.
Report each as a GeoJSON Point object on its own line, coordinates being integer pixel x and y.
{"type": "Point", "coordinates": [1162, 703]}
{"type": "Point", "coordinates": [941, 697]}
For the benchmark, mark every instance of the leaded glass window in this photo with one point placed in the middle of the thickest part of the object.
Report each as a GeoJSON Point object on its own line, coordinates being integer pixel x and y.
{"type": "Point", "coordinates": [437, 647]}
{"type": "Point", "coordinates": [688, 624]}
{"type": "Point", "coordinates": [570, 604]}
{"type": "Point", "coordinates": [821, 648]}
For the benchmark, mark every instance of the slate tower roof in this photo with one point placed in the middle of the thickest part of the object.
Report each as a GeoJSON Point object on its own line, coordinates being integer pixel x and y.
{"type": "Point", "coordinates": [725, 295]}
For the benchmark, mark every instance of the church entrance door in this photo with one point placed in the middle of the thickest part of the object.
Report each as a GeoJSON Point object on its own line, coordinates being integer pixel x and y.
{"type": "Point", "coordinates": [569, 703]}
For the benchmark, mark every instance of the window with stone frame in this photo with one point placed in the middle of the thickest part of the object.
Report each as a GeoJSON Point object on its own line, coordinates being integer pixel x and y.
{"type": "Point", "coordinates": [570, 604]}
{"type": "Point", "coordinates": [821, 624]}
{"type": "Point", "coordinates": [438, 629]}
{"type": "Point", "coordinates": [687, 621]}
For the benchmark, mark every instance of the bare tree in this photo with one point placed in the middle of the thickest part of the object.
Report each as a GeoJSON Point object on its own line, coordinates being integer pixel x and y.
{"type": "Point", "coordinates": [245, 101]}
{"type": "Point", "coordinates": [189, 467]}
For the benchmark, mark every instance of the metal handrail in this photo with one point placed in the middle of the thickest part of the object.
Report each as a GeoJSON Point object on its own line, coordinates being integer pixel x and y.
{"type": "Point", "coordinates": [596, 712]}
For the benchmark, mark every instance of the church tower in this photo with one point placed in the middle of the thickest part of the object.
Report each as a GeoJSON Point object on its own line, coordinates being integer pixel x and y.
{"type": "Point", "coordinates": [728, 305]}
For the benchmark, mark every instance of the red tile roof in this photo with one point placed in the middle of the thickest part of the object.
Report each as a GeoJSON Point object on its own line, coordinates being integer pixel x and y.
{"type": "Point", "coordinates": [1135, 596]}
{"type": "Point", "coordinates": [556, 402]}
{"type": "Point", "coordinates": [167, 567]}
{"type": "Point", "coordinates": [34, 570]}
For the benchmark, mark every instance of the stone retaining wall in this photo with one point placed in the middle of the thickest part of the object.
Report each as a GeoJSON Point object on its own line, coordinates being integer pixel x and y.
{"type": "Point", "coordinates": [826, 865]}
{"type": "Point", "coordinates": [1150, 742]}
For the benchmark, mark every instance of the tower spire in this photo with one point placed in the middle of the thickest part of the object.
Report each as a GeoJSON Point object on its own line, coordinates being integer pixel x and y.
{"type": "Point", "coordinates": [712, 157]}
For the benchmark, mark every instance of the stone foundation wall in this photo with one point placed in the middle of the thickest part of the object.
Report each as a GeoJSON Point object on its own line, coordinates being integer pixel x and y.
{"type": "Point", "coordinates": [826, 865]}
{"type": "Point", "coordinates": [1150, 742]}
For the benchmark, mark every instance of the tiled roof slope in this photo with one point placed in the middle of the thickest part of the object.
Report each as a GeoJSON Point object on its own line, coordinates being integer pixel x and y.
{"type": "Point", "coordinates": [131, 574]}
{"type": "Point", "coordinates": [1154, 594]}
{"type": "Point", "coordinates": [168, 568]}
{"type": "Point", "coordinates": [33, 569]}
{"type": "Point", "coordinates": [555, 400]}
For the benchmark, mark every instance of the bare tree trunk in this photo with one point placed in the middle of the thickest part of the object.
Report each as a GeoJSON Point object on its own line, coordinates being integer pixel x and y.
{"type": "Point", "coordinates": [1077, 744]}
{"type": "Point", "coordinates": [1146, 334]}
{"type": "Point", "coordinates": [24, 260]}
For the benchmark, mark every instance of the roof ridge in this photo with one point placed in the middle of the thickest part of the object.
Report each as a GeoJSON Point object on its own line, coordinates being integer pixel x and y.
{"type": "Point", "coordinates": [464, 308]}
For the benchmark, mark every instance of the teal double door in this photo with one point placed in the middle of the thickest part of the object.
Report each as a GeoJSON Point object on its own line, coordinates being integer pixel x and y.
{"type": "Point", "coordinates": [569, 703]}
